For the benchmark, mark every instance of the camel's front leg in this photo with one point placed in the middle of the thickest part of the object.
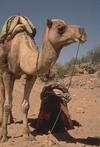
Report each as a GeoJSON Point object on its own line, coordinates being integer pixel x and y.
{"type": "Point", "coordinates": [2, 99]}
{"type": "Point", "coordinates": [25, 106]}
{"type": "Point", "coordinates": [8, 81]}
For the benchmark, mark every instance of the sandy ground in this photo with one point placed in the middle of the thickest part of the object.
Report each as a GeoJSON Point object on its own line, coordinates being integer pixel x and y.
{"type": "Point", "coordinates": [84, 110]}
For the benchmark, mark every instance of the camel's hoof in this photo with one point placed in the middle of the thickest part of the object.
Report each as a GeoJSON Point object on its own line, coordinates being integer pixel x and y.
{"type": "Point", "coordinates": [11, 121]}
{"type": "Point", "coordinates": [29, 137]}
{"type": "Point", "coordinates": [3, 134]}
{"type": "Point", "coordinates": [3, 138]}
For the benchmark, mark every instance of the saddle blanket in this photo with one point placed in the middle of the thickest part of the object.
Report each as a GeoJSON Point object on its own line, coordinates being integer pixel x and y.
{"type": "Point", "coordinates": [16, 24]}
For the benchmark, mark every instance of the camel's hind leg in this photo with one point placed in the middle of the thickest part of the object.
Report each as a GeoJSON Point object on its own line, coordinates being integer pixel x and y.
{"type": "Point", "coordinates": [25, 106]}
{"type": "Point", "coordinates": [2, 99]}
{"type": "Point", "coordinates": [8, 81]}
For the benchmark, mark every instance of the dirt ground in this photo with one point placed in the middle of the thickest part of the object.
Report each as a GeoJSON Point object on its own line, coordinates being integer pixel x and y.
{"type": "Point", "coordinates": [84, 110]}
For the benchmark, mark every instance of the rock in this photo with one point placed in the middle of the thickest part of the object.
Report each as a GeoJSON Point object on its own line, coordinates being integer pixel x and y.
{"type": "Point", "coordinates": [51, 142]}
{"type": "Point", "coordinates": [78, 144]}
{"type": "Point", "coordinates": [97, 74]}
{"type": "Point", "coordinates": [85, 68]}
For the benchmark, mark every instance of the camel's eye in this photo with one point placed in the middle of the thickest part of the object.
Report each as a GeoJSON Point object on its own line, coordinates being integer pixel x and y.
{"type": "Point", "coordinates": [61, 29]}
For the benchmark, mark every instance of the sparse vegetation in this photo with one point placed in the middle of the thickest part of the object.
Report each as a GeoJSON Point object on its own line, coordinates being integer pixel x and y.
{"type": "Point", "coordinates": [94, 55]}
{"type": "Point", "coordinates": [92, 59]}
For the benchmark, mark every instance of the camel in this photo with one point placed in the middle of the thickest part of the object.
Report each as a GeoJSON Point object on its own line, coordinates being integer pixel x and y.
{"type": "Point", "coordinates": [21, 56]}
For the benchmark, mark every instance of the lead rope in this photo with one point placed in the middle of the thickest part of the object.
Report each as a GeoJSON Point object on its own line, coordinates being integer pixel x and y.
{"type": "Point", "coordinates": [37, 61]}
{"type": "Point", "coordinates": [68, 88]}
{"type": "Point", "coordinates": [75, 61]}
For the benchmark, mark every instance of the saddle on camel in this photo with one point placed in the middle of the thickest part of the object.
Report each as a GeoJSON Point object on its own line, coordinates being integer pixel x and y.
{"type": "Point", "coordinates": [14, 25]}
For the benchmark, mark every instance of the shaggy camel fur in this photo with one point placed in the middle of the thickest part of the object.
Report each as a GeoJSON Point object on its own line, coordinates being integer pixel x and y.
{"type": "Point", "coordinates": [22, 57]}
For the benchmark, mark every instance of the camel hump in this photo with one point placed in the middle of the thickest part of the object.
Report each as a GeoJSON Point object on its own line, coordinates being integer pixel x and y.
{"type": "Point", "coordinates": [16, 24]}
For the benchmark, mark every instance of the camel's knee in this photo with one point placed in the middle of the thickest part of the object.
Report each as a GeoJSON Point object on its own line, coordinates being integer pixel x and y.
{"type": "Point", "coordinates": [25, 106]}
{"type": "Point", "coordinates": [7, 108]}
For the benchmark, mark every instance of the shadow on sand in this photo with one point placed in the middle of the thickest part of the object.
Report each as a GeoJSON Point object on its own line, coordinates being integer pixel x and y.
{"type": "Point", "coordinates": [63, 135]}
{"type": "Point", "coordinates": [93, 141]}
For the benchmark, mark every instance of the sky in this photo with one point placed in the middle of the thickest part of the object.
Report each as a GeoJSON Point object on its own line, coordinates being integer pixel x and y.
{"type": "Point", "coordinates": [81, 12]}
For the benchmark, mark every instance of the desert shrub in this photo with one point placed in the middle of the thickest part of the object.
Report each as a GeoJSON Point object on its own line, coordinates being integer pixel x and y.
{"type": "Point", "coordinates": [70, 67]}
{"type": "Point", "coordinates": [60, 71]}
{"type": "Point", "coordinates": [66, 69]}
{"type": "Point", "coordinates": [94, 55]}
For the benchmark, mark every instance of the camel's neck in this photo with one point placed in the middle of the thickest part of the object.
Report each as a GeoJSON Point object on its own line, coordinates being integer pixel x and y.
{"type": "Point", "coordinates": [48, 56]}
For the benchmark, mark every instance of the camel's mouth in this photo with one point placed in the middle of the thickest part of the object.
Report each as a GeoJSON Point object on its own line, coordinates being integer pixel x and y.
{"type": "Point", "coordinates": [81, 40]}
{"type": "Point", "coordinates": [83, 36]}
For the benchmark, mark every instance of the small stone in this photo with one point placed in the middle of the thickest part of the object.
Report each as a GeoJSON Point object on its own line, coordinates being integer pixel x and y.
{"type": "Point", "coordinates": [51, 142]}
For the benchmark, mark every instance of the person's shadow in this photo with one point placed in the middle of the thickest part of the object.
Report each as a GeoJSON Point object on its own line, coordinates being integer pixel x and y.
{"type": "Point", "coordinates": [61, 134]}
{"type": "Point", "coordinates": [93, 141]}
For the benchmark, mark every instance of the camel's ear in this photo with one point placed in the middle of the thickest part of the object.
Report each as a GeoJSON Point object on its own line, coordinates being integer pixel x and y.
{"type": "Point", "coordinates": [49, 23]}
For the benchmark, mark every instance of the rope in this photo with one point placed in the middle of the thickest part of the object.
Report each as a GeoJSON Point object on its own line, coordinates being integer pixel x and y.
{"type": "Point", "coordinates": [37, 61]}
{"type": "Point", "coordinates": [68, 88]}
{"type": "Point", "coordinates": [55, 121]}
{"type": "Point", "coordinates": [70, 81]}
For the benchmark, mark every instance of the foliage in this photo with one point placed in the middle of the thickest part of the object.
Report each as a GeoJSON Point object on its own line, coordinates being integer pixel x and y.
{"type": "Point", "coordinates": [60, 71]}
{"type": "Point", "coordinates": [92, 57]}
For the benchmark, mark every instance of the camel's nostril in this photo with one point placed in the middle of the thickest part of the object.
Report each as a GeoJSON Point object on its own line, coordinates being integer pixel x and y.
{"type": "Point", "coordinates": [83, 36]}
{"type": "Point", "coordinates": [82, 31]}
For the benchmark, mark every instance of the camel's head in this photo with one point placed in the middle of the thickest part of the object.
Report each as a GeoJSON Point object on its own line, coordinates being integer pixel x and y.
{"type": "Point", "coordinates": [61, 34]}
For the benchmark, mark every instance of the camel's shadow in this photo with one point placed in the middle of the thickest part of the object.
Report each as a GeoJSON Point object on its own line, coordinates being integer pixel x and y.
{"type": "Point", "coordinates": [63, 135]}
